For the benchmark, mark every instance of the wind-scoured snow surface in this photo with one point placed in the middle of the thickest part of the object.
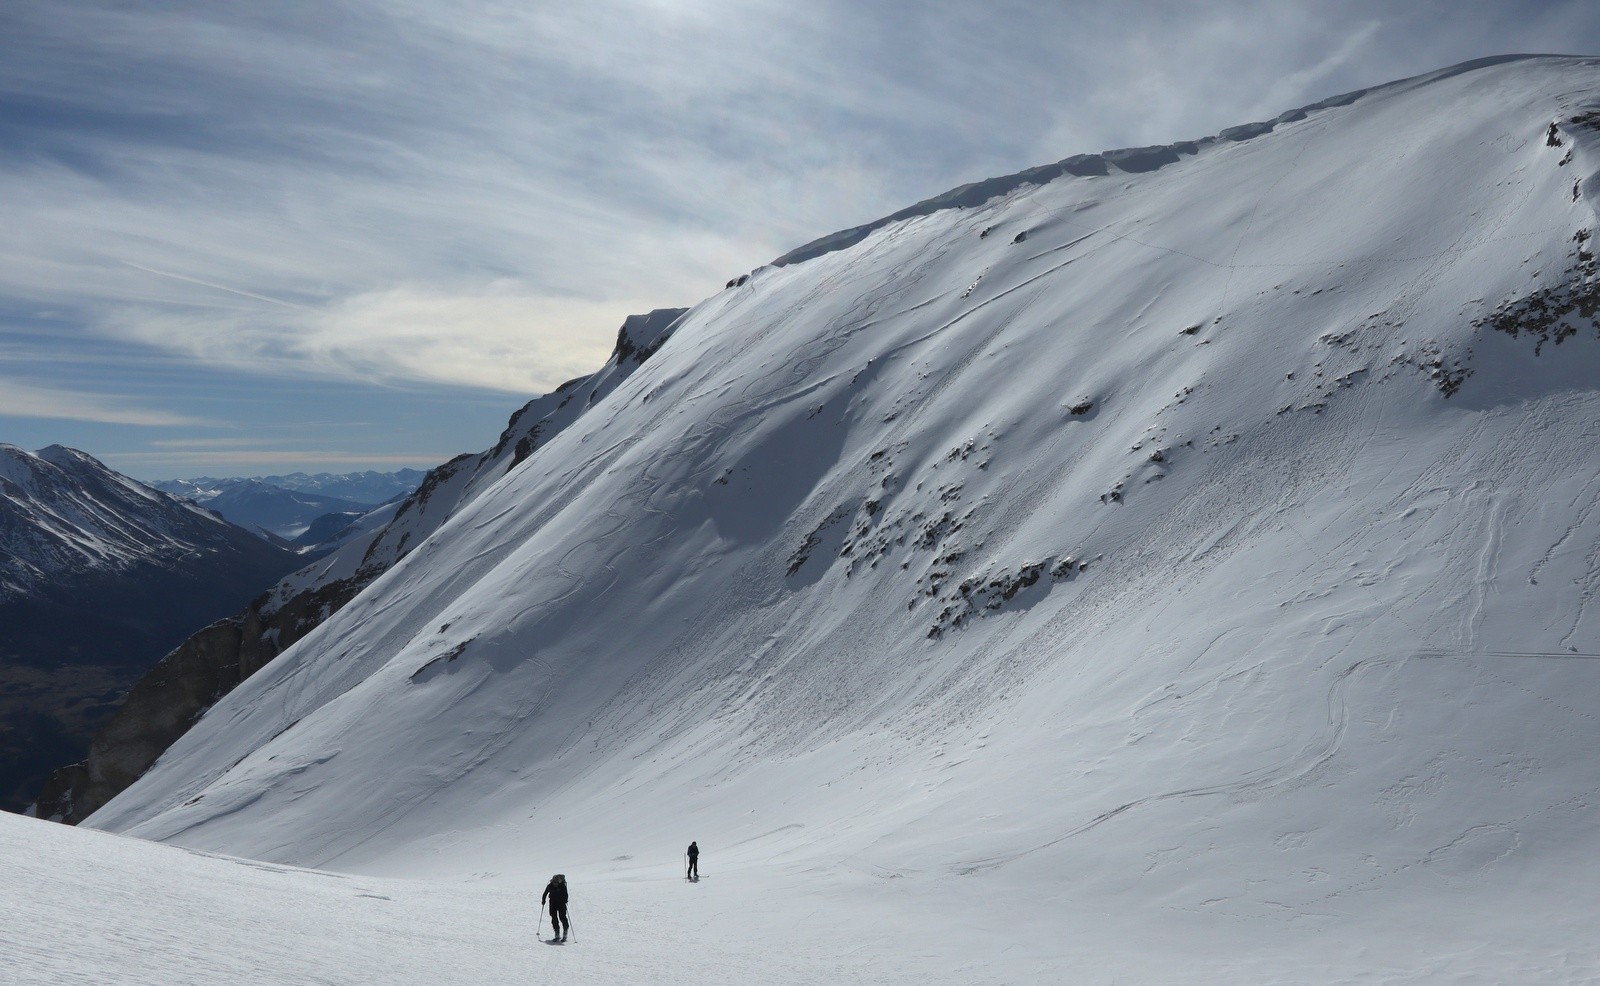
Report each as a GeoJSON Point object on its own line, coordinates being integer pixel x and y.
{"type": "Point", "coordinates": [386, 534]}
{"type": "Point", "coordinates": [1191, 577]}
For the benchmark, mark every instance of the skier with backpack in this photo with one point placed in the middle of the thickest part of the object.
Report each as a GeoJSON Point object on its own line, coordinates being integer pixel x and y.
{"type": "Point", "coordinates": [694, 862]}
{"type": "Point", "coordinates": [555, 892]}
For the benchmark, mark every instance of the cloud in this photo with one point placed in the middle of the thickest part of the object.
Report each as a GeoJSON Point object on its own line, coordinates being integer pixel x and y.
{"type": "Point", "coordinates": [498, 336]}
{"type": "Point", "coordinates": [1162, 71]}
{"type": "Point", "coordinates": [257, 459]}
{"type": "Point", "coordinates": [201, 459]}
{"type": "Point", "coordinates": [478, 194]}
{"type": "Point", "coordinates": [24, 400]}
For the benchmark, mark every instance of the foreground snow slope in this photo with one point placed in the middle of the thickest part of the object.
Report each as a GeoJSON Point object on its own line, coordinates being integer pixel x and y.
{"type": "Point", "coordinates": [84, 906]}
{"type": "Point", "coordinates": [1210, 539]}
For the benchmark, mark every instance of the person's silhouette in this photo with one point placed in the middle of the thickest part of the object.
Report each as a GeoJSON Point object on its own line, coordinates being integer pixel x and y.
{"type": "Point", "coordinates": [694, 862]}
{"type": "Point", "coordinates": [555, 892]}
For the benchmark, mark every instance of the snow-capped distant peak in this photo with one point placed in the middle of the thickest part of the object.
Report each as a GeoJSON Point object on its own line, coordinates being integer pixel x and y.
{"type": "Point", "coordinates": [65, 514]}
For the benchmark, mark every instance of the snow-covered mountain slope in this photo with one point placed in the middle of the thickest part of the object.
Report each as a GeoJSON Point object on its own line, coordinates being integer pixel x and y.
{"type": "Point", "coordinates": [63, 514]}
{"type": "Point", "coordinates": [216, 658]}
{"type": "Point", "coordinates": [1205, 545]}
{"type": "Point", "coordinates": [99, 576]}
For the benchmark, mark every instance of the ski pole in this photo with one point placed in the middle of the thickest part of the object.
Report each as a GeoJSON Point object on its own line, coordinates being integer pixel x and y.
{"type": "Point", "coordinates": [538, 929]}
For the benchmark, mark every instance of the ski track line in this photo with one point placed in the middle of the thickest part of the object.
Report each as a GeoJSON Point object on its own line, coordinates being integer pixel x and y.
{"type": "Point", "coordinates": [919, 340]}
{"type": "Point", "coordinates": [722, 427]}
{"type": "Point", "coordinates": [1579, 801]}
{"type": "Point", "coordinates": [497, 740]}
{"type": "Point", "coordinates": [1261, 780]}
{"type": "Point", "coordinates": [1255, 210]}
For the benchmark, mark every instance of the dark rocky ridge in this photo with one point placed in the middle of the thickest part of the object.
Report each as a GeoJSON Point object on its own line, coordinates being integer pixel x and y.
{"type": "Point", "coordinates": [99, 577]}
{"type": "Point", "coordinates": [169, 699]}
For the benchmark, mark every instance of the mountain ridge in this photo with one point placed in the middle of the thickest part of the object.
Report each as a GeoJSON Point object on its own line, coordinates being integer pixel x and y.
{"type": "Point", "coordinates": [215, 659]}
{"type": "Point", "coordinates": [1130, 160]}
{"type": "Point", "coordinates": [1199, 552]}
{"type": "Point", "coordinates": [99, 576]}
{"type": "Point", "coordinates": [287, 506]}
{"type": "Point", "coordinates": [366, 486]}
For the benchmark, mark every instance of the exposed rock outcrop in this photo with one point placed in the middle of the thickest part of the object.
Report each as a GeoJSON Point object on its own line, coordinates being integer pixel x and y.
{"type": "Point", "coordinates": [176, 693]}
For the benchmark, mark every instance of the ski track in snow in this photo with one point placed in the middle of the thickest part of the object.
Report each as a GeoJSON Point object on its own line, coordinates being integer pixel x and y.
{"type": "Point", "coordinates": [1294, 770]}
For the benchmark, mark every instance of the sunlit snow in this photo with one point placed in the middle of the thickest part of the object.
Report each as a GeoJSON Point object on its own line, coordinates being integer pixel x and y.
{"type": "Point", "coordinates": [1164, 575]}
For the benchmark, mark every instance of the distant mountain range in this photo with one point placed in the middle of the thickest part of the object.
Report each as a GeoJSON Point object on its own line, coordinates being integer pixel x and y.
{"type": "Point", "coordinates": [288, 506]}
{"type": "Point", "coordinates": [362, 487]}
{"type": "Point", "coordinates": [99, 577]}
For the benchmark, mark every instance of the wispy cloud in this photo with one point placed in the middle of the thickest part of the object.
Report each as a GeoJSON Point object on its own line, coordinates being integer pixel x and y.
{"type": "Point", "coordinates": [25, 400]}
{"type": "Point", "coordinates": [258, 458]}
{"type": "Point", "coordinates": [216, 287]}
{"type": "Point", "coordinates": [476, 194]}
{"type": "Point", "coordinates": [496, 337]}
{"type": "Point", "coordinates": [203, 461]}
{"type": "Point", "coordinates": [230, 444]}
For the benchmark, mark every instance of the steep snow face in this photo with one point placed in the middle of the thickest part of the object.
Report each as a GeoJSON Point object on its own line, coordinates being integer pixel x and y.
{"type": "Point", "coordinates": [391, 531]}
{"type": "Point", "coordinates": [63, 515]}
{"type": "Point", "coordinates": [1211, 539]}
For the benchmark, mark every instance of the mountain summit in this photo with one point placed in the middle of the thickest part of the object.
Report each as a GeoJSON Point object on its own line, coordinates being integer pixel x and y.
{"type": "Point", "coordinates": [1194, 539]}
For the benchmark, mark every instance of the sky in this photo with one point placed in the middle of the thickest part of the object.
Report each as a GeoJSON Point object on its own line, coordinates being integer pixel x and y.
{"type": "Point", "coordinates": [242, 238]}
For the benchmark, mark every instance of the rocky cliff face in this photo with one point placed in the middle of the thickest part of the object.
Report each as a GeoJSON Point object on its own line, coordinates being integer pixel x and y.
{"type": "Point", "coordinates": [177, 692]}
{"type": "Point", "coordinates": [172, 697]}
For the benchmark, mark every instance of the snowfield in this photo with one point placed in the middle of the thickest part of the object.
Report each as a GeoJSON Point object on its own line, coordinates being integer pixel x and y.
{"type": "Point", "coordinates": [1182, 569]}
{"type": "Point", "coordinates": [84, 906]}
